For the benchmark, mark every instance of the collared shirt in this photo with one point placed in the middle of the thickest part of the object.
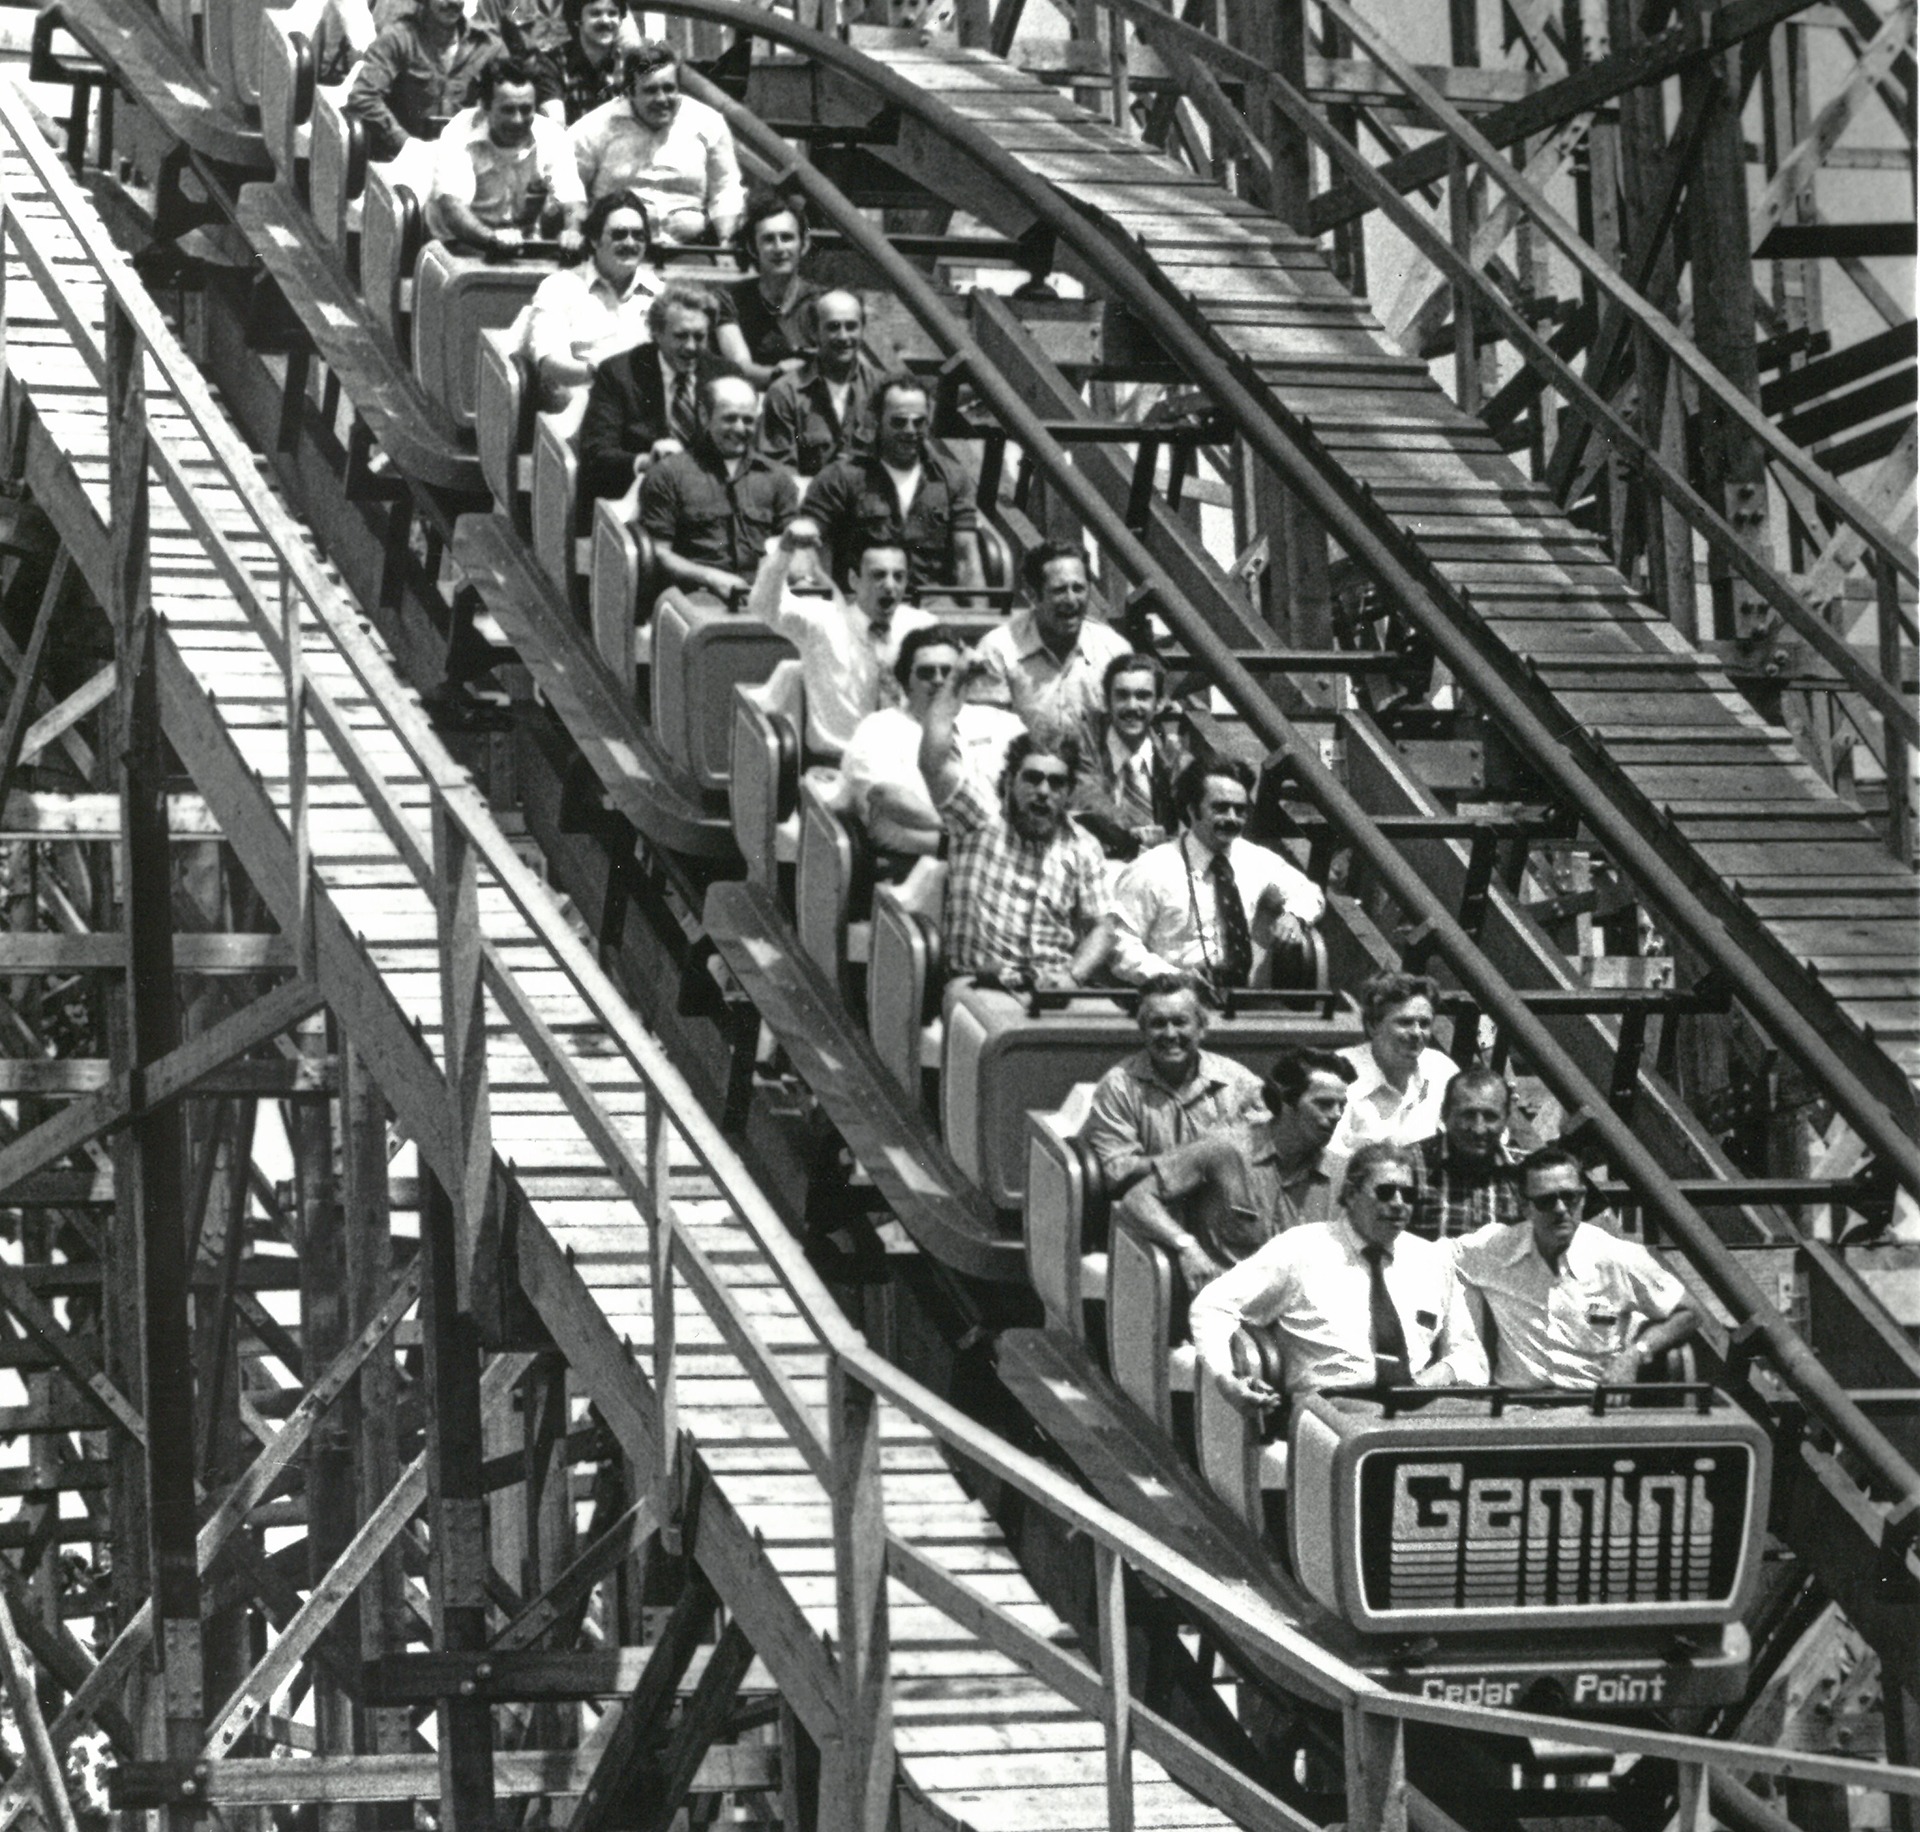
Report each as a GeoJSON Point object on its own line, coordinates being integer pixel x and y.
{"type": "Point", "coordinates": [505, 187]}
{"type": "Point", "coordinates": [1312, 1286]}
{"type": "Point", "coordinates": [1022, 672]}
{"type": "Point", "coordinates": [1378, 1110]}
{"type": "Point", "coordinates": [847, 664]}
{"type": "Point", "coordinates": [771, 336]}
{"type": "Point", "coordinates": [1014, 907]}
{"type": "Point", "coordinates": [405, 90]}
{"type": "Point", "coordinates": [1456, 1198]}
{"type": "Point", "coordinates": [1135, 1116]}
{"type": "Point", "coordinates": [884, 752]}
{"type": "Point", "coordinates": [578, 316]}
{"type": "Point", "coordinates": [698, 504]}
{"type": "Point", "coordinates": [855, 502]}
{"type": "Point", "coordinates": [691, 167]}
{"type": "Point", "coordinates": [1560, 1329]}
{"type": "Point", "coordinates": [581, 84]}
{"type": "Point", "coordinates": [1170, 915]}
{"type": "Point", "coordinates": [800, 427]}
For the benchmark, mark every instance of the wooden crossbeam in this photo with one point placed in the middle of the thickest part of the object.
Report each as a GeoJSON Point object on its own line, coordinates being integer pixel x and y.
{"type": "Point", "coordinates": [42, 1762]}
{"type": "Point", "coordinates": [26, 682]}
{"type": "Point", "coordinates": [704, 1719]}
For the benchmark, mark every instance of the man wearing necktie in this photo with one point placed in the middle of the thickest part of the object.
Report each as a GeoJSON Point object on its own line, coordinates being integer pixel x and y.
{"type": "Point", "coordinates": [1125, 800]}
{"type": "Point", "coordinates": [1212, 903]}
{"type": "Point", "coordinates": [1354, 1302]}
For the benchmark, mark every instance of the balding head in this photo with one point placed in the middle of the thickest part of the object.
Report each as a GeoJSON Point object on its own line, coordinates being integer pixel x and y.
{"type": "Point", "coordinates": [839, 323]}
{"type": "Point", "coordinates": [731, 405]}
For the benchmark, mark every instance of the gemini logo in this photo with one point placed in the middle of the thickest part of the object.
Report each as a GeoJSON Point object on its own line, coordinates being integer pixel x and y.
{"type": "Point", "coordinates": [1545, 1529]}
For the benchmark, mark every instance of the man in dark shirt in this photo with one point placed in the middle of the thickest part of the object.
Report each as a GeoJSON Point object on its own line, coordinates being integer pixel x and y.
{"type": "Point", "coordinates": [763, 317]}
{"type": "Point", "coordinates": [904, 492]}
{"type": "Point", "coordinates": [712, 508]}
{"type": "Point", "coordinates": [644, 405]}
{"type": "Point", "coordinates": [585, 71]}
{"type": "Point", "coordinates": [824, 409]}
{"type": "Point", "coordinates": [1468, 1178]}
{"type": "Point", "coordinates": [418, 73]}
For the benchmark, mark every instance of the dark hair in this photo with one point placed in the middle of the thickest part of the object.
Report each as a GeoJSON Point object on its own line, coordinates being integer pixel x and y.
{"type": "Point", "coordinates": [928, 636]}
{"type": "Point", "coordinates": [1293, 1069]}
{"type": "Point", "coordinates": [1137, 662]}
{"type": "Point", "coordinates": [1475, 1081]}
{"type": "Point", "coordinates": [705, 394]}
{"type": "Point", "coordinates": [648, 54]}
{"type": "Point", "coordinates": [604, 209]}
{"type": "Point", "coordinates": [505, 68]}
{"type": "Point", "coordinates": [1191, 783]}
{"type": "Point", "coordinates": [682, 296]}
{"type": "Point", "coordinates": [892, 384]}
{"type": "Point", "coordinates": [762, 206]}
{"type": "Point", "coordinates": [1033, 569]}
{"type": "Point", "coordinates": [1550, 1157]}
{"type": "Point", "coordinates": [1384, 991]}
{"type": "Point", "coordinates": [1375, 1152]}
{"type": "Point", "coordinates": [1171, 986]}
{"type": "Point", "coordinates": [1061, 744]}
{"type": "Point", "coordinates": [865, 544]}
{"type": "Point", "coordinates": [572, 11]}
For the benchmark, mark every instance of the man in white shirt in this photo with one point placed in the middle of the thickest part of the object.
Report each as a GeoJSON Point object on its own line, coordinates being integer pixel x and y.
{"type": "Point", "coordinates": [881, 763]}
{"type": "Point", "coordinates": [1354, 1302]}
{"type": "Point", "coordinates": [676, 153]}
{"type": "Point", "coordinates": [1211, 903]}
{"type": "Point", "coordinates": [501, 167]}
{"type": "Point", "coordinates": [847, 650]}
{"type": "Point", "coordinates": [1049, 661]}
{"type": "Point", "coordinates": [1570, 1304]}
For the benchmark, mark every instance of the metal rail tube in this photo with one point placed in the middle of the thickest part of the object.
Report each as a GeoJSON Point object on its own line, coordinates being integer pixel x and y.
{"type": "Point", "coordinates": [1892, 1474]}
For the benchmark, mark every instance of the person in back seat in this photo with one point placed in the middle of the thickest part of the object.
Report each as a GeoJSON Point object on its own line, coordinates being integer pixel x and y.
{"type": "Point", "coordinates": [881, 763]}
{"type": "Point", "coordinates": [1026, 899]}
{"type": "Point", "coordinates": [1049, 661]}
{"type": "Point", "coordinates": [1125, 800]}
{"type": "Point", "coordinates": [585, 71]}
{"type": "Point", "coordinates": [676, 152]}
{"type": "Point", "coordinates": [1571, 1303]}
{"type": "Point", "coordinates": [1402, 1077]}
{"type": "Point", "coordinates": [1468, 1177]}
{"type": "Point", "coordinates": [581, 316]}
{"type": "Point", "coordinates": [763, 317]}
{"type": "Point", "coordinates": [903, 491]}
{"type": "Point", "coordinates": [644, 406]}
{"type": "Point", "coordinates": [418, 73]}
{"type": "Point", "coordinates": [502, 172]}
{"type": "Point", "coordinates": [1212, 903]}
{"type": "Point", "coordinates": [1355, 1301]}
{"type": "Point", "coordinates": [823, 408]}
{"type": "Point", "coordinates": [847, 649]}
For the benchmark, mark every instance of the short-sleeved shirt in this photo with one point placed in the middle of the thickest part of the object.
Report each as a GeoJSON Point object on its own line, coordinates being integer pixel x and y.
{"type": "Point", "coordinates": [1135, 1116]}
{"type": "Point", "coordinates": [1561, 1328]}
{"type": "Point", "coordinates": [691, 167]}
{"type": "Point", "coordinates": [801, 427]}
{"type": "Point", "coordinates": [505, 187]}
{"type": "Point", "coordinates": [1015, 908]}
{"type": "Point", "coordinates": [772, 337]}
{"type": "Point", "coordinates": [1376, 1109]}
{"type": "Point", "coordinates": [1312, 1286]}
{"type": "Point", "coordinates": [697, 505]}
{"type": "Point", "coordinates": [1455, 1198]}
{"type": "Point", "coordinates": [577, 315]}
{"type": "Point", "coordinates": [1023, 673]}
{"type": "Point", "coordinates": [855, 502]}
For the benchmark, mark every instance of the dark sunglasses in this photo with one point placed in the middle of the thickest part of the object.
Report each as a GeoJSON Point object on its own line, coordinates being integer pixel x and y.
{"type": "Point", "coordinates": [1048, 779]}
{"type": "Point", "coordinates": [617, 236]}
{"type": "Point", "coordinates": [1556, 1199]}
{"type": "Point", "coordinates": [1386, 1192]}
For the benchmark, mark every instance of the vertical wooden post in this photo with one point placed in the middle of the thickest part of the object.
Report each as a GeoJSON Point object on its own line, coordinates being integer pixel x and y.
{"type": "Point", "coordinates": [667, 1484]}
{"type": "Point", "coordinates": [859, 1774]}
{"type": "Point", "coordinates": [1466, 328]}
{"type": "Point", "coordinates": [1899, 759]}
{"type": "Point", "coordinates": [1116, 1707]}
{"type": "Point", "coordinates": [43, 1763]}
{"type": "Point", "coordinates": [1376, 1772]}
{"type": "Point", "coordinates": [1691, 1812]}
{"type": "Point", "coordinates": [156, 1159]}
{"type": "Point", "coordinates": [457, 1500]}
{"type": "Point", "coordinates": [456, 880]}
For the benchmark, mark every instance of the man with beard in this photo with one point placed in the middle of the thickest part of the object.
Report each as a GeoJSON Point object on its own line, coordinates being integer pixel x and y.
{"type": "Point", "coordinates": [1468, 1178]}
{"type": "Point", "coordinates": [501, 169]}
{"type": "Point", "coordinates": [1125, 800]}
{"type": "Point", "coordinates": [1026, 899]}
{"type": "Point", "coordinates": [1206, 1161]}
{"type": "Point", "coordinates": [712, 509]}
{"type": "Point", "coordinates": [1049, 660]}
{"type": "Point", "coordinates": [824, 408]}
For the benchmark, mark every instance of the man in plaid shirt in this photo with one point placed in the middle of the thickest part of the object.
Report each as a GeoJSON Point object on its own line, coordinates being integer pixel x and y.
{"type": "Point", "coordinates": [1027, 897]}
{"type": "Point", "coordinates": [1468, 1177]}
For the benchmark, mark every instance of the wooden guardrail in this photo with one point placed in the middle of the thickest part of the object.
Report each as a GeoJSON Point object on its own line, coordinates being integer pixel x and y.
{"type": "Point", "coordinates": [843, 1451]}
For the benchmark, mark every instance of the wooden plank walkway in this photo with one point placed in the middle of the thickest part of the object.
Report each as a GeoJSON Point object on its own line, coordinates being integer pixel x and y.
{"type": "Point", "coordinates": [1686, 742]}
{"type": "Point", "coordinates": [981, 1744]}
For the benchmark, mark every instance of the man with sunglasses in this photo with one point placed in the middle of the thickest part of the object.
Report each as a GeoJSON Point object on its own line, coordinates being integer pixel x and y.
{"type": "Point", "coordinates": [1570, 1304]}
{"type": "Point", "coordinates": [1354, 1302]}
{"type": "Point", "coordinates": [1212, 903]}
{"type": "Point", "coordinates": [1026, 898]}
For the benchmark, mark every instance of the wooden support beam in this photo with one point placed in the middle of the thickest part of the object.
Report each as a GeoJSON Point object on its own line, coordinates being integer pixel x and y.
{"type": "Point", "coordinates": [456, 877]}
{"type": "Point", "coordinates": [573, 1585]}
{"type": "Point", "coordinates": [704, 1719]}
{"type": "Point", "coordinates": [1116, 1716]}
{"type": "Point", "coordinates": [858, 1773]}
{"type": "Point", "coordinates": [26, 683]}
{"type": "Point", "coordinates": [42, 1760]}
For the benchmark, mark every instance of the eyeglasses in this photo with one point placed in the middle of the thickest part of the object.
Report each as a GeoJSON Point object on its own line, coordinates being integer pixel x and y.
{"type": "Point", "coordinates": [1388, 1192]}
{"type": "Point", "coordinates": [1556, 1199]}
{"type": "Point", "coordinates": [936, 671]}
{"type": "Point", "coordinates": [1050, 779]}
